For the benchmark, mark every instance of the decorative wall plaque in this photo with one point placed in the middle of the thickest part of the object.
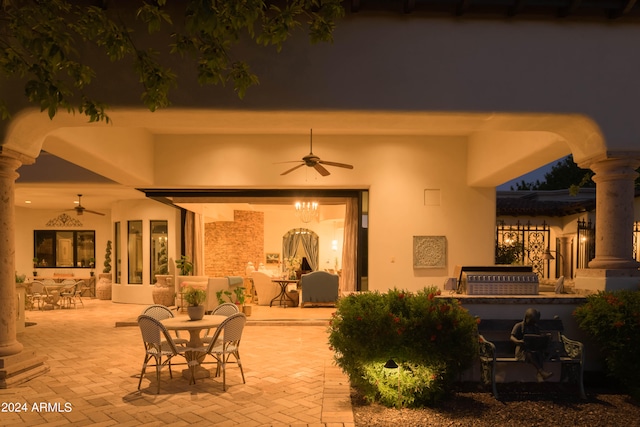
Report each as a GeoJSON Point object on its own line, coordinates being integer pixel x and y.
{"type": "Point", "coordinates": [429, 252]}
{"type": "Point", "coordinates": [64, 220]}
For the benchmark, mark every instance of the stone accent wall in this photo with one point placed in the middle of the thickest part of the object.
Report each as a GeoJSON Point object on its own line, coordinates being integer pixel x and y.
{"type": "Point", "coordinates": [229, 245]}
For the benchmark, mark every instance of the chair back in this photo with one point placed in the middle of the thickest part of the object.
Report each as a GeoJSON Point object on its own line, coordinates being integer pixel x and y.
{"type": "Point", "coordinates": [37, 287]}
{"type": "Point", "coordinates": [226, 309]}
{"type": "Point", "coordinates": [48, 282]}
{"type": "Point", "coordinates": [158, 312]}
{"type": "Point", "coordinates": [229, 332]}
{"type": "Point", "coordinates": [154, 334]}
{"type": "Point", "coordinates": [67, 282]}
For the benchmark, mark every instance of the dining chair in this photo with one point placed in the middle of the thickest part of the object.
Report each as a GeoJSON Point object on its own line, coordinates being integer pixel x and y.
{"type": "Point", "coordinates": [161, 312]}
{"type": "Point", "coordinates": [81, 287]}
{"type": "Point", "coordinates": [225, 309]}
{"type": "Point", "coordinates": [224, 344]}
{"type": "Point", "coordinates": [68, 293]}
{"type": "Point", "coordinates": [157, 344]}
{"type": "Point", "coordinates": [36, 292]}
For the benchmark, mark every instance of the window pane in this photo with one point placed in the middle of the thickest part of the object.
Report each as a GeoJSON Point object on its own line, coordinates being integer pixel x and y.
{"type": "Point", "coordinates": [64, 249]}
{"type": "Point", "coordinates": [44, 248]}
{"type": "Point", "coordinates": [117, 257]}
{"type": "Point", "coordinates": [85, 249]}
{"type": "Point", "coordinates": [159, 257]}
{"type": "Point", "coordinates": [134, 245]}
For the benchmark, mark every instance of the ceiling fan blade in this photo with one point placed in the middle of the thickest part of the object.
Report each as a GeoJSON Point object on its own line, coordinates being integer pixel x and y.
{"type": "Point", "coordinates": [93, 212]}
{"type": "Point", "coordinates": [322, 171]}
{"type": "Point", "coordinates": [340, 165]}
{"type": "Point", "coordinates": [292, 169]}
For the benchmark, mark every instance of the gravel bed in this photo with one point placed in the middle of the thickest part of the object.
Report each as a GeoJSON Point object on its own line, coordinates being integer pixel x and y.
{"type": "Point", "coordinates": [520, 405]}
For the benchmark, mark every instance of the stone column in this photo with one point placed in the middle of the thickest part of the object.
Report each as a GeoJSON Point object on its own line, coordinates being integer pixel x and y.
{"type": "Point", "coordinates": [9, 345]}
{"type": "Point", "coordinates": [16, 364]}
{"type": "Point", "coordinates": [614, 180]}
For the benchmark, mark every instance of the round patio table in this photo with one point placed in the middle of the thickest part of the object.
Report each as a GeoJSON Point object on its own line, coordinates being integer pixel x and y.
{"type": "Point", "coordinates": [194, 327]}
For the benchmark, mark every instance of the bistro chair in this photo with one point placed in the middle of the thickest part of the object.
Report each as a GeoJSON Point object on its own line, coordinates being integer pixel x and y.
{"type": "Point", "coordinates": [224, 344]}
{"type": "Point", "coordinates": [35, 295]}
{"type": "Point", "coordinates": [81, 287]}
{"type": "Point", "coordinates": [225, 309]}
{"type": "Point", "coordinates": [161, 312]}
{"type": "Point", "coordinates": [68, 294]}
{"type": "Point", "coordinates": [158, 344]}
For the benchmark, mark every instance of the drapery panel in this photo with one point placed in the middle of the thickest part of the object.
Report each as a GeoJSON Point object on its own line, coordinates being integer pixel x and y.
{"type": "Point", "coordinates": [194, 241]}
{"type": "Point", "coordinates": [349, 247]}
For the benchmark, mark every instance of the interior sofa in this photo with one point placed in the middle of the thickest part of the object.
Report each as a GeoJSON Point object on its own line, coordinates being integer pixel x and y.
{"type": "Point", "coordinates": [319, 288]}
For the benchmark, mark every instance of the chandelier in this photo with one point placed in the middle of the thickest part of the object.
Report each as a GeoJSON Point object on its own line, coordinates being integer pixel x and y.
{"type": "Point", "coordinates": [306, 211]}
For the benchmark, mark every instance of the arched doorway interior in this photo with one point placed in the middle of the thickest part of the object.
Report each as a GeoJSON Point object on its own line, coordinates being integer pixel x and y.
{"type": "Point", "coordinates": [301, 242]}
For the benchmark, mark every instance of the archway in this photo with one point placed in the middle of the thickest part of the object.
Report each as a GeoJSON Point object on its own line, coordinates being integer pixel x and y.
{"type": "Point", "coordinates": [301, 242]}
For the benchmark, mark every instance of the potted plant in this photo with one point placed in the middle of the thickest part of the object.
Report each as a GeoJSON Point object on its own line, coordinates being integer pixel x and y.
{"type": "Point", "coordinates": [35, 265]}
{"type": "Point", "coordinates": [185, 265]}
{"type": "Point", "coordinates": [103, 287]}
{"type": "Point", "coordinates": [219, 296]}
{"type": "Point", "coordinates": [240, 300]}
{"type": "Point", "coordinates": [194, 297]}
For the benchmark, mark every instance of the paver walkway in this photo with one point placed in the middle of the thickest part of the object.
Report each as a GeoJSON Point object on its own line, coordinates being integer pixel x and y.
{"type": "Point", "coordinates": [94, 368]}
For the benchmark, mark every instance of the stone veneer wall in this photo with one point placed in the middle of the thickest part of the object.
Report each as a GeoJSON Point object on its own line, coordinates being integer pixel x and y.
{"type": "Point", "coordinates": [229, 245]}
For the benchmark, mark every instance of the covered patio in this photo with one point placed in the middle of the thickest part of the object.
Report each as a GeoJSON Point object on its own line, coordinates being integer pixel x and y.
{"type": "Point", "coordinates": [94, 357]}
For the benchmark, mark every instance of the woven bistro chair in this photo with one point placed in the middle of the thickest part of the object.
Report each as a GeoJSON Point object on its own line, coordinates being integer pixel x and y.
{"type": "Point", "coordinates": [81, 287]}
{"type": "Point", "coordinates": [36, 293]}
{"type": "Point", "coordinates": [68, 294]}
{"type": "Point", "coordinates": [226, 309]}
{"type": "Point", "coordinates": [161, 312]}
{"type": "Point", "coordinates": [224, 344]}
{"type": "Point", "coordinates": [158, 344]}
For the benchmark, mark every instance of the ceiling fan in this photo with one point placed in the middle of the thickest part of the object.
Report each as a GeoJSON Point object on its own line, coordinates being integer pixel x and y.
{"type": "Point", "coordinates": [81, 209]}
{"type": "Point", "coordinates": [315, 162]}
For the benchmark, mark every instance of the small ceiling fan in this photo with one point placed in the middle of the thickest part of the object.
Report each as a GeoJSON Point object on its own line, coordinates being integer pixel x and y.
{"type": "Point", "coordinates": [80, 210]}
{"type": "Point", "coordinates": [315, 162]}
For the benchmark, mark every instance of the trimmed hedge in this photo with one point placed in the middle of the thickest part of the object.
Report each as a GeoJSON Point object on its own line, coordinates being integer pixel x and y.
{"type": "Point", "coordinates": [432, 339]}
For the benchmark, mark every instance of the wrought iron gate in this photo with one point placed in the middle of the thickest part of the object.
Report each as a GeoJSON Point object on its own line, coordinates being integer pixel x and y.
{"type": "Point", "coordinates": [587, 243]}
{"type": "Point", "coordinates": [523, 244]}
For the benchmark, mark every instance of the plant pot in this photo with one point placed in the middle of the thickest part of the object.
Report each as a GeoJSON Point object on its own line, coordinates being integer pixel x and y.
{"type": "Point", "coordinates": [246, 309]}
{"type": "Point", "coordinates": [195, 312]}
{"type": "Point", "coordinates": [163, 292]}
{"type": "Point", "coordinates": [103, 287]}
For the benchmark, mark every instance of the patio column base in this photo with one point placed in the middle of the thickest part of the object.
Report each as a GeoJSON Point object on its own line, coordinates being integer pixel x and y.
{"type": "Point", "coordinates": [20, 368]}
{"type": "Point", "coordinates": [593, 280]}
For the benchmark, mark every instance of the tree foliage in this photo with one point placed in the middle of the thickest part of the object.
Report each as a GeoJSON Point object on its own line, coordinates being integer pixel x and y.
{"type": "Point", "coordinates": [565, 174]}
{"type": "Point", "coordinates": [39, 43]}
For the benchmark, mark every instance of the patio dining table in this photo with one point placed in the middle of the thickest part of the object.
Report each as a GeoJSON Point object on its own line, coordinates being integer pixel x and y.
{"type": "Point", "coordinates": [194, 327]}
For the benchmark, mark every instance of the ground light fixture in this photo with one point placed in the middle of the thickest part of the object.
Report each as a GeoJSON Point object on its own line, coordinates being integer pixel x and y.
{"type": "Point", "coordinates": [391, 364]}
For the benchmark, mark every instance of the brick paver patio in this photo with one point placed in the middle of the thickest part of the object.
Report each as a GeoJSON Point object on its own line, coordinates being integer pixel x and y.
{"type": "Point", "coordinates": [94, 368]}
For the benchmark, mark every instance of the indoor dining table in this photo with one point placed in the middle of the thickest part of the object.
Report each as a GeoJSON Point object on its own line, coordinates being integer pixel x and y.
{"type": "Point", "coordinates": [282, 297]}
{"type": "Point", "coordinates": [194, 327]}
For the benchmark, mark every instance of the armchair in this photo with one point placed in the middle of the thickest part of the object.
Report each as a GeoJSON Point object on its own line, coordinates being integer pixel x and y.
{"type": "Point", "coordinates": [266, 290]}
{"type": "Point", "coordinates": [319, 287]}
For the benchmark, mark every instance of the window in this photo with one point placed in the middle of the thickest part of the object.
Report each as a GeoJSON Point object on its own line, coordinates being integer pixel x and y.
{"type": "Point", "coordinates": [117, 257]}
{"type": "Point", "coordinates": [134, 245]}
{"type": "Point", "coordinates": [52, 248]}
{"type": "Point", "coordinates": [159, 245]}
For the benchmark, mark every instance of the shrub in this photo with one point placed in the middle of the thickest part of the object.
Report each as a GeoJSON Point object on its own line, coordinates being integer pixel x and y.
{"type": "Point", "coordinates": [431, 339]}
{"type": "Point", "coordinates": [612, 319]}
